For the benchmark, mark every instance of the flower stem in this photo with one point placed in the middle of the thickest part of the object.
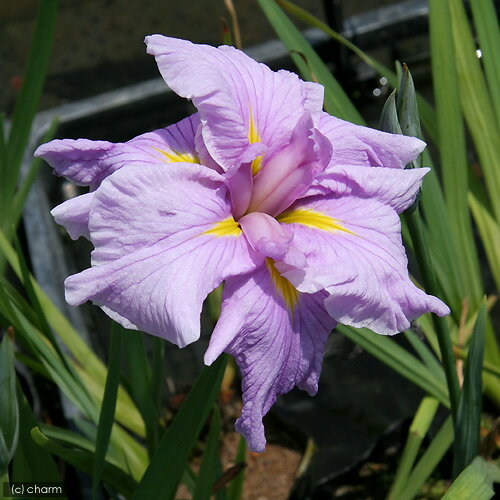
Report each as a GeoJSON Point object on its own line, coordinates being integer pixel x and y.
{"type": "Point", "coordinates": [429, 280]}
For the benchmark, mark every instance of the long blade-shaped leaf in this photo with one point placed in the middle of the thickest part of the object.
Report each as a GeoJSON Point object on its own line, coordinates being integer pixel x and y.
{"type": "Point", "coordinates": [429, 460]}
{"type": "Point", "coordinates": [208, 469]}
{"type": "Point", "coordinates": [418, 429]}
{"type": "Point", "coordinates": [475, 482]}
{"type": "Point", "coordinates": [107, 414]}
{"type": "Point", "coordinates": [168, 463]}
{"type": "Point", "coordinates": [31, 463]}
{"type": "Point", "coordinates": [235, 489]}
{"type": "Point", "coordinates": [489, 229]}
{"type": "Point", "coordinates": [83, 460]}
{"type": "Point", "coordinates": [470, 407]}
{"type": "Point", "coordinates": [140, 388]}
{"type": "Point", "coordinates": [398, 359]}
{"type": "Point", "coordinates": [452, 148]}
{"type": "Point", "coordinates": [310, 65]}
{"type": "Point", "coordinates": [486, 23]}
{"type": "Point", "coordinates": [31, 90]}
{"type": "Point", "coordinates": [9, 414]}
{"type": "Point", "coordinates": [426, 110]}
{"type": "Point", "coordinates": [476, 102]}
{"type": "Point", "coordinates": [90, 368]}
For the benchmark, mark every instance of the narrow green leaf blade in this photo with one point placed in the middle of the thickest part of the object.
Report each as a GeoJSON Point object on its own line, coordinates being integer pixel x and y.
{"type": "Point", "coordinates": [426, 111]}
{"type": "Point", "coordinates": [453, 154]}
{"type": "Point", "coordinates": [208, 469]}
{"type": "Point", "coordinates": [418, 429]}
{"type": "Point", "coordinates": [476, 102]}
{"type": "Point", "coordinates": [140, 386]}
{"type": "Point", "coordinates": [475, 482]}
{"type": "Point", "coordinates": [173, 451]}
{"type": "Point", "coordinates": [31, 90]}
{"type": "Point", "coordinates": [31, 463]}
{"type": "Point", "coordinates": [486, 23]}
{"type": "Point", "coordinates": [397, 358]}
{"type": "Point", "coordinates": [235, 488]}
{"type": "Point", "coordinates": [429, 460]}
{"type": "Point", "coordinates": [389, 121]}
{"type": "Point", "coordinates": [9, 414]}
{"type": "Point", "coordinates": [470, 407]}
{"type": "Point", "coordinates": [107, 414]}
{"type": "Point", "coordinates": [84, 461]}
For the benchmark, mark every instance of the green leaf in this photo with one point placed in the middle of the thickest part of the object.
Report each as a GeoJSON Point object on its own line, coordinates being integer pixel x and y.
{"type": "Point", "coordinates": [173, 452]}
{"type": "Point", "coordinates": [426, 110]}
{"type": "Point", "coordinates": [89, 367]}
{"type": "Point", "coordinates": [429, 460]}
{"type": "Point", "coordinates": [310, 65]}
{"type": "Point", "coordinates": [29, 96]}
{"type": "Point", "coordinates": [9, 414]}
{"type": "Point", "coordinates": [426, 355]}
{"type": "Point", "coordinates": [407, 108]}
{"type": "Point", "coordinates": [397, 358]}
{"type": "Point", "coordinates": [486, 23]}
{"type": "Point", "coordinates": [476, 102]}
{"type": "Point", "coordinates": [84, 461]}
{"type": "Point", "coordinates": [208, 470]}
{"type": "Point", "coordinates": [489, 230]}
{"type": "Point", "coordinates": [452, 148]}
{"type": "Point", "coordinates": [107, 414]}
{"type": "Point", "coordinates": [418, 429]}
{"type": "Point", "coordinates": [389, 121]}
{"type": "Point", "coordinates": [24, 189]}
{"type": "Point", "coordinates": [470, 407]}
{"type": "Point", "coordinates": [74, 440]}
{"type": "Point", "coordinates": [475, 482]}
{"type": "Point", "coordinates": [140, 386]}
{"type": "Point", "coordinates": [31, 463]}
{"type": "Point", "coordinates": [235, 488]}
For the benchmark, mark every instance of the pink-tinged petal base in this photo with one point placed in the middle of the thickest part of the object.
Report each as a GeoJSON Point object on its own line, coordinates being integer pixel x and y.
{"type": "Point", "coordinates": [288, 175]}
{"type": "Point", "coordinates": [163, 240]}
{"type": "Point", "coordinates": [276, 349]}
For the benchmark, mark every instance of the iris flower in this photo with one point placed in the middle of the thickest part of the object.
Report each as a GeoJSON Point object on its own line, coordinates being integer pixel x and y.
{"type": "Point", "coordinates": [296, 211]}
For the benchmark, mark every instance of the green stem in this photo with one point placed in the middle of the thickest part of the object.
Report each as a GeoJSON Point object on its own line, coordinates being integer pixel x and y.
{"type": "Point", "coordinates": [429, 280]}
{"type": "Point", "coordinates": [418, 429]}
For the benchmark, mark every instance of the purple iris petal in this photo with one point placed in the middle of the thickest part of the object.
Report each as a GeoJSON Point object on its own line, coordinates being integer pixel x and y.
{"type": "Point", "coordinates": [232, 92]}
{"type": "Point", "coordinates": [74, 215]}
{"type": "Point", "coordinates": [357, 145]}
{"type": "Point", "coordinates": [87, 163]}
{"type": "Point", "coordinates": [158, 252]}
{"type": "Point", "coordinates": [359, 259]}
{"type": "Point", "coordinates": [275, 347]}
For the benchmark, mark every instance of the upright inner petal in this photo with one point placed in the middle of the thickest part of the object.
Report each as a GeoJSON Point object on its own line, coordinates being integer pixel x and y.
{"type": "Point", "coordinates": [288, 174]}
{"type": "Point", "coordinates": [266, 235]}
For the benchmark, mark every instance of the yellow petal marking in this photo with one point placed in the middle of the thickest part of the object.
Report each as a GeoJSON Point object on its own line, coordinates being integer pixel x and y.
{"type": "Point", "coordinates": [287, 291]}
{"type": "Point", "coordinates": [253, 137]}
{"type": "Point", "coordinates": [174, 156]}
{"type": "Point", "coordinates": [226, 227]}
{"type": "Point", "coordinates": [311, 218]}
